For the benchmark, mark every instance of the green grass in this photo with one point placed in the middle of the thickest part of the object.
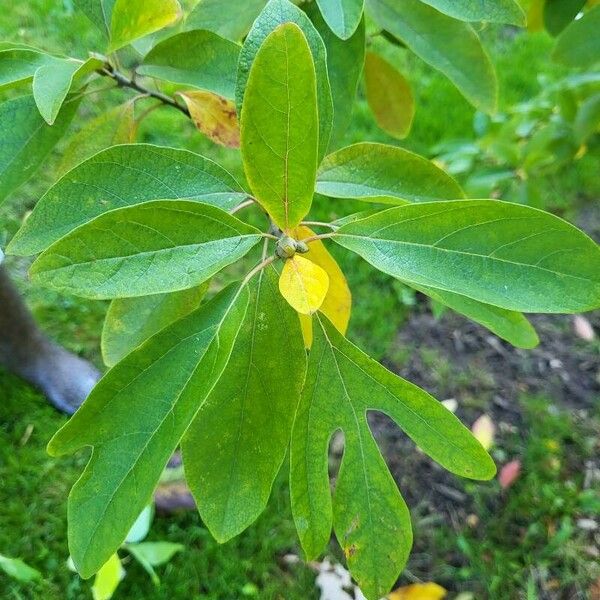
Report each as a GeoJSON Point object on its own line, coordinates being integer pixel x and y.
{"type": "Point", "coordinates": [542, 508]}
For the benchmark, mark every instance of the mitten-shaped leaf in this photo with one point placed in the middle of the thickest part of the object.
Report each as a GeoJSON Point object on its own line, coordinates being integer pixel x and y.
{"type": "Point", "coordinates": [152, 248]}
{"type": "Point", "coordinates": [303, 284]}
{"type": "Point", "coordinates": [499, 253]}
{"type": "Point", "coordinates": [342, 16]}
{"type": "Point", "coordinates": [370, 518]}
{"type": "Point", "coordinates": [449, 46]}
{"type": "Point", "coordinates": [123, 176]}
{"type": "Point", "coordinates": [131, 321]}
{"type": "Point", "coordinates": [345, 60]}
{"type": "Point", "coordinates": [389, 96]}
{"type": "Point", "coordinates": [279, 12]}
{"type": "Point", "coordinates": [234, 448]}
{"type": "Point", "coordinates": [494, 11]}
{"type": "Point", "coordinates": [27, 139]}
{"type": "Point", "coordinates": [199, 59]}
{"type": "Point", "coordinates": [135, 418]}
{"type": "Point", "coordinates": [214, 116]}
{"type": "Point", "coordinates": [133, 19]}
{"type": "Point", "coordinates": [337, 304]}
{"type": "Point", "coordinates": [385, 174]}
{"type": "Point", "coordinates": [280, 130]}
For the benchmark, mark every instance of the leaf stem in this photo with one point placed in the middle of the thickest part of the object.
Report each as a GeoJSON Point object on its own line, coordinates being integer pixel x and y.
{"type": "Point", "coordinates": [129, 82]}
{"type": "Point", "coordinates": [321, 236]}
{"type": "Point", "coordinates": [259, 267]}
{"type": "Point", "coordinates": [320, 224]}
{"type": "Point", "coordinates": [244, 204]}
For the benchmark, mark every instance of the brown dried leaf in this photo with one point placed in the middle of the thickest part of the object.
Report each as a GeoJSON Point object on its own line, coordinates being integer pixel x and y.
{"type": "Point", "coordinates": [214, 115]}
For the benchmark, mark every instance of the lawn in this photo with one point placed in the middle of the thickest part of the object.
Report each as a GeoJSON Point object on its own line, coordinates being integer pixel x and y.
{"type": "Point", "coordinates": [533, 540]}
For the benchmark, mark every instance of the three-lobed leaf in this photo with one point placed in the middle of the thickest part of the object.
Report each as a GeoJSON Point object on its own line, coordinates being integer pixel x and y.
{"type": "Point", "coordinates": [389, 96]}
{"type": "Point", "coordinates": [450, 46]}
{"type": "Point", "coordinates": [135, 418]}
{"type": "Point", "coordinates": [121, 176]}
{"type": "Point", "coordinates": [131, 321]}
{"type": "Point", "coordinates": [508, 255]}
{"type": "Point", "coordinates": [196, 58]}
{"type": "Point", "coordinates": [280, 128]}
{"type": "Point", "coordinates": [369, 516]}
{"type": "Point", "coordinates": [235, 446]}
{"type": "Point", "coordinates": [386, 174]}
{"type": "Point", "coordinates": [152, 248]}
{"type": "Point", "coordinates": [276, 13]}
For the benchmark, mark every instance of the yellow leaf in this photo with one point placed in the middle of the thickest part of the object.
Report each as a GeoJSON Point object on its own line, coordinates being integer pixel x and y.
{"type": "Point", "coordinates": [419, 591]}
{"type": "Point", "coordinates": [338, 301]}
{"type": "Point", "coordinates": [389, 96]}
{"type": "Point", "coordinates": [107, 579]}
{"type": "Point", "coordinates": [307, 331]}
{"type": "Point", "coordinates": [214, 116]}
{"type": "Point", "coordinates": [303, 284]}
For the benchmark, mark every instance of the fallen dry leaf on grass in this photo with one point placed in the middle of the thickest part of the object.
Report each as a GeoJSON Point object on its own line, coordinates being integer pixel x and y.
{"type": "Point", "coordinates": [484, 430]}
{"type": "Point", "coordinates": [583, 328]}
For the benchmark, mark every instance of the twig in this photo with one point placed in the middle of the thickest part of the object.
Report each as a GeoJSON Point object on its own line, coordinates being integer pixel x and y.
{"type": "Point", "coordinates": [128, 82]}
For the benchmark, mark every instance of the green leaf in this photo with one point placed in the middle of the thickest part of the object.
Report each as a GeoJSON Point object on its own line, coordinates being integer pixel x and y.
{"type": "Point", "coordinates": [131, 321]}
{"type": "Point", "coordinates": [115, 126]}
{"type": "Point", "coordinates": [27, 140]}
{"type": "Point", "coordinates": [135, 417]}
{"type": "Point", "coordinates": [345, 59]}
{"type": "Point", "coordinates": [507, 324]}
{"type": "Point", "coordinates": [200, 59]}
{"type": "Point", "coordinates": [140, 529]}
{"type": "Point", "coordinates": [18, 65]}
{"type": "Point", "coordinates": [280, 128]}
{"type": "Point", "coordinates": [99, 12]}
{"type": "Point", "coordinates": [249, 415]}
{"type": "Point", "coordinates": [493, 11]}
{"type": "Point", "coordinates": [17, 569]}
{"type": "Point", "coordinates": [379, 173]}
{"type": "Point", "coordinates": [498, 253]}
{"type": "Point", "coordinates": [587, 120]}
{"type": "Point", "coordinates": [342, 16]}
{"type": "Point", "coordinates": [389, 96]}
{"type": "Point", "coordinates": [218, 16]}
{"type": "Point", "coordinates": [133, 19]}
{"type": "Point", "coordinates": [278, 12]}
{"type": "Point", "coordinates": [579, 44]}
{"type": "Point", "coordinates": [153, 554]}
{"type": "Point", "coordinates": [123, 176]}
{"type": "Point", "coordinates": [53, 82]}
{"type": "Point", "coordinates": [449, 46]}
{"type": "Point", "coordinates": [370, 518]}
{"type": "Point", "coordinates": [153, 248]}
{"type": "Point", "coordinates": [108, 578]}
{"type": "Point", "coordinates": [559, 13]}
